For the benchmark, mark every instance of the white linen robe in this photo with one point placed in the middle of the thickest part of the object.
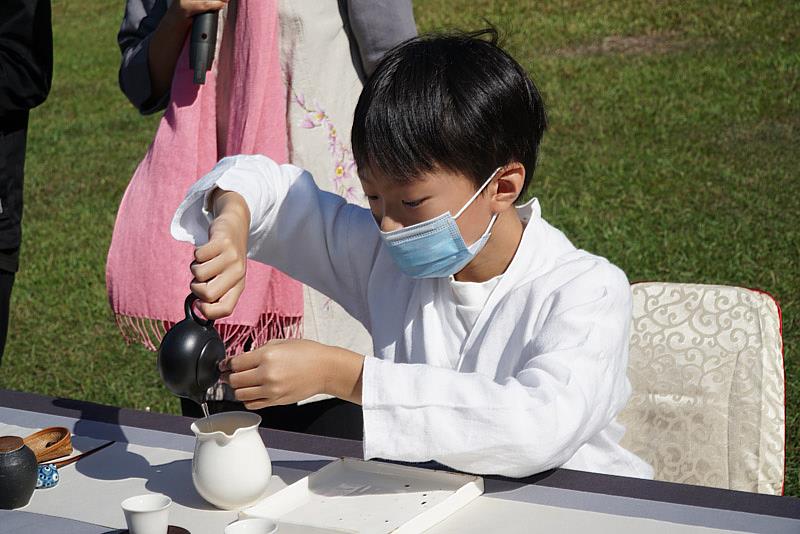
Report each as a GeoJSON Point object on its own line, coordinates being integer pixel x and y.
{"type": "Point", "coordinates": [540, 376]}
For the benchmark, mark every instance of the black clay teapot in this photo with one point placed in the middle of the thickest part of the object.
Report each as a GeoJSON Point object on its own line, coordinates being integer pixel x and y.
{"type": "Point", "coordinates": [189, 355]}
{"type": "Point", "coordinates": [18, 473]}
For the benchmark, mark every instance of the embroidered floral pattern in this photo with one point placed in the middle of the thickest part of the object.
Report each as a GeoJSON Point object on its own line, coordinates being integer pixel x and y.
{"type": "Point", "coordinates": [345, 179]}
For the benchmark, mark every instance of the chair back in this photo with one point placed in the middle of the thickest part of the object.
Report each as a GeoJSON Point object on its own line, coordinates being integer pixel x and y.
{"type": "Point", "coordinates": [706, 368]}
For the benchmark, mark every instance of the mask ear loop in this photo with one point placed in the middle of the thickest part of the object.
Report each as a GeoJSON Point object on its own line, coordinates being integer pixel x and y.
{"type": "Point", "coordinates": [478, 192]}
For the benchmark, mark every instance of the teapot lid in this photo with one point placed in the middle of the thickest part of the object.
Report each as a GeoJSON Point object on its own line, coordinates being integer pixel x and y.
{"type": "Point", "coordinates": [10, 443]}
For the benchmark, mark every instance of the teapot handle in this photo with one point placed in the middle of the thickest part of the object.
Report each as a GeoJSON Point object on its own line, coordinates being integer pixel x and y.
{"type": "Point", "coordinates": [187, 306]}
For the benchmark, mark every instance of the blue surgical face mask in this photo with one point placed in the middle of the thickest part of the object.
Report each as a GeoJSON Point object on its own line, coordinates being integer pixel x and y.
{"type": "Point", "coordinates": [435, 248]}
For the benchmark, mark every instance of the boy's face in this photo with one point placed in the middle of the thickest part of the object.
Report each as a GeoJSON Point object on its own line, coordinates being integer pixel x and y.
{"type": "Point", "coordinates": [398, 205]}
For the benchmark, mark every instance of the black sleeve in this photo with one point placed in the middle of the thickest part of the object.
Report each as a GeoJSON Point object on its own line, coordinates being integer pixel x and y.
{"type": "Point", "coordinates": [140, 21]}
{"type": "Point", "coordinates": [26, 54]}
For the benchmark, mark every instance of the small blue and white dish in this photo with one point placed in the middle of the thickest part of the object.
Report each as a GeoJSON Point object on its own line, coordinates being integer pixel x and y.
{"type": "Point", "coordinates": [47, 476]}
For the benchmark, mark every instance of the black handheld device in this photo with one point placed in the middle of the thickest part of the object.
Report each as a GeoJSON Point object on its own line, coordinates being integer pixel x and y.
{"type": "Point", "coordinates": [202, 44]}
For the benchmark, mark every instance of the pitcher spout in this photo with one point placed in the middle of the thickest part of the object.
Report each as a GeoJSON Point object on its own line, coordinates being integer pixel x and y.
{"type": "Point", "coordinates": [224, 427]}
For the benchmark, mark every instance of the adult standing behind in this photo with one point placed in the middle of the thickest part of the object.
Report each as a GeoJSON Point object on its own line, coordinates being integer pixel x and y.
{"type": "Point", "coordinates": [26, 71]}
{"type": "Point", "coordinates": [326, 50]}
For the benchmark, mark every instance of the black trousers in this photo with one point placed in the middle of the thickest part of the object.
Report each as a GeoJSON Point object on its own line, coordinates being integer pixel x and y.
{"type": "Point", "coordinates": [6, 282]}
{"type": "Point", "coordinates": [331, 417]}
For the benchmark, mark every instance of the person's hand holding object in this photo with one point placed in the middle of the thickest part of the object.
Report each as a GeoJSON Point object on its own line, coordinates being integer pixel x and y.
{"type": "Point", "coordinates": [220, 264]}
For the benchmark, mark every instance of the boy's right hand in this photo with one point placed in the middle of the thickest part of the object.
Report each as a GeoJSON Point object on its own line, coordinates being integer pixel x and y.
{"type": "Point", "coordinates": [220, 265]}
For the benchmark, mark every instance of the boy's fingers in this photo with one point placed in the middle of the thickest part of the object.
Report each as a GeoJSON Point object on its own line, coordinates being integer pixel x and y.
{"type": "Point", "coordinates": [208, 264]}
{"type": "Point", "coordinates": [244, 379]}
{"type": "Point", "coordinates": [215, 309]}
{"type": "Point", "coordinates": [257, 405]}
{"type": "Point", "coordinates": [208, 314]}
{"type": "Point", "coordinates": [203, 272]}
{"type": "Point", "coordinates": [244, 362]}
{"type": "Point", "coordinates": [210, 250]}
{"type": "Point", "coordinates": [217, 288]}
{"type": "Point", "coordinates": [203, 291]}
{"type": "Point", "coordinates": [212, 311]}
{"type": "Point", "coordinates": [249, 394]}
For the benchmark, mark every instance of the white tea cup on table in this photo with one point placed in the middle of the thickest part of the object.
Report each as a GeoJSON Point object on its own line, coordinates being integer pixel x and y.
{"type": "Point", "coordinates": [147, 514]}
{"type": "Point", "coordinates": [252, 526]}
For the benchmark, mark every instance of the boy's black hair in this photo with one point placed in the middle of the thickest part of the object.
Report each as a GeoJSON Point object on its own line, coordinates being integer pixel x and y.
{"type": "Point", "coordinates": [452, 101]}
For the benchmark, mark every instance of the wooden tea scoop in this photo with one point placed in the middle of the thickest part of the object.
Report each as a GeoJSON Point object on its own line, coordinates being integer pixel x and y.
{"type": "Point", "coordinates": [48, 473]}
{"type": "Point", "coordinates": [49, 443]}
{"type": "Point", "coordinates": [77, 457]}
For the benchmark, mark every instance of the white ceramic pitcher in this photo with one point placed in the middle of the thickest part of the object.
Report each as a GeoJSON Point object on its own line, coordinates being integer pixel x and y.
{"type": "Point", "coordinates": [231, 468]}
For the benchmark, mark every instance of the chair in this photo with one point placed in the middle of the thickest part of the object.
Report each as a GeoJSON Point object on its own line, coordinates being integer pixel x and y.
{"type": "Point", "coordinates": [706, 368]}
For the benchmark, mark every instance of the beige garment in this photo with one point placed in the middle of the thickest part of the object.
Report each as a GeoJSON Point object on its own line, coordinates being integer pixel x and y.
{"type": "Point", "coordinates": [706, 367]}
{"type": "Point", "coordinates": [323, 87]}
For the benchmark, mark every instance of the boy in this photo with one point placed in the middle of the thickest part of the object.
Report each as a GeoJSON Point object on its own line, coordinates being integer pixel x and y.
{"type": "Point", "coordinates": [500, 347]}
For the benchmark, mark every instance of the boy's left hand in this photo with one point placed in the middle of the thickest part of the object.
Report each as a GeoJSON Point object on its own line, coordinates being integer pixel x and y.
{"type": "Point", "coordinates": [281, 372]}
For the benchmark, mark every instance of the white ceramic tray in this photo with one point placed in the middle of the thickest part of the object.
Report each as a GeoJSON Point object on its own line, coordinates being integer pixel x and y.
{"type": "Point", "coordinates": [350, 495]}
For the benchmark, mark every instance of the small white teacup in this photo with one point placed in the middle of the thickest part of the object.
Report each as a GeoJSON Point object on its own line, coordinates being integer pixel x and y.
{"type": "Point", "coordinates": [252, 526]}
{"type": "Point", "coordinates": [147, 514]}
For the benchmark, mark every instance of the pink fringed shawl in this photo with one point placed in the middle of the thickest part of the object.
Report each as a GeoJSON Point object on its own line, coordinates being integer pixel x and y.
{"type": "Point", "coordinates": [147, 272]}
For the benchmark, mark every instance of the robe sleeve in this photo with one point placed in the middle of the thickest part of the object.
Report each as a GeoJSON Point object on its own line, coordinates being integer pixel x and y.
{"type": "Point", "coordinates": [138, 24]}
{"type": "Point", "coordinates": [313, 236]}
{"type": "Point", "coordinates": [570, 384]}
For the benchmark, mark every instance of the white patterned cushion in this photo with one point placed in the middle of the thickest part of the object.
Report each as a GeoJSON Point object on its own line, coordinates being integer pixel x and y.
{"type": "Point", "coordinates": [706, 366]}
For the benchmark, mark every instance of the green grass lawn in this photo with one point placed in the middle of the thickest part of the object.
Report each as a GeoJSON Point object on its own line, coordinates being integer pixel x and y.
{"type": "Point", "coordinates": [673, 150]}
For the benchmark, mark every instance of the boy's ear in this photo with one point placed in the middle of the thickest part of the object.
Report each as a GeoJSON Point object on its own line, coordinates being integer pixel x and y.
{"type": "Point", "coordinates": [508, 186]}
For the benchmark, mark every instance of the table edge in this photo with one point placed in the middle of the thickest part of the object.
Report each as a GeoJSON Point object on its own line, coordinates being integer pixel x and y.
{"type": "Point", "coordinates": [566, 479]}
